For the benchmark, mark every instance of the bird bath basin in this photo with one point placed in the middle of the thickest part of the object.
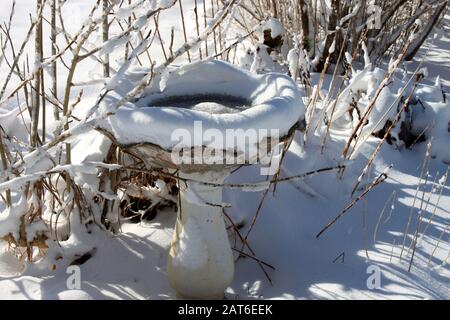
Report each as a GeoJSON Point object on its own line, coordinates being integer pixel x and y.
{"type": "Point", "coordinates": [184, 126]}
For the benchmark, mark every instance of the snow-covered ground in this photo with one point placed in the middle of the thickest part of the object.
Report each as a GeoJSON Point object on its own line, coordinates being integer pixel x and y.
{"type": "Point", "coordinates": [436, 53]}
{"type": "Point", "coordinates": [341, 264]}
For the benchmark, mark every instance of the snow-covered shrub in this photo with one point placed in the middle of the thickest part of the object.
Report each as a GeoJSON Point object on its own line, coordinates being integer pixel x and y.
{"type": "Point", "coordinates": [267, 55]}
{"type": "Point", "coordinates": [429, 116]}
{"type": "Point", "coordinates": [60, 180]}
{"type": "Point", "coordinates": [327, 27]}
{"type": "Point", "coordinates": [404, 111]}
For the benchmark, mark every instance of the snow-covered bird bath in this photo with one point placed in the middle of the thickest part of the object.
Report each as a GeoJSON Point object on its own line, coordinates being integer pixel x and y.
{"type": "Point", "coordinates": [192, 121]}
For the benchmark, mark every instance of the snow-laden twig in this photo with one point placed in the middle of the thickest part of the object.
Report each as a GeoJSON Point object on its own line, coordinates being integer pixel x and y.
{"type": "Point", "coordinates": [438, 242]}
{"type": "Point", "coordinates": [87, 123]}
{"type": "Point", "coordinates": [424, 172]}
{"type": "Point", "coordinates": [442, 184]}
{"type": "Point", "coordinates": [379, 180]}
{"type": "Point", "coordinates": [19, 53]}
{"type": "Point", "coordinates": [87, 168]}
{"type": "Point", "coordinates": [248, 187]}
{"type": "Point", "coordinates": [83, 125]}
{"type": "Point", "coordinates": [420, 214]}
{"type": "Point", "coordinates": [8, 28]}
{"type": "Point", "coordinates": [390, 201]}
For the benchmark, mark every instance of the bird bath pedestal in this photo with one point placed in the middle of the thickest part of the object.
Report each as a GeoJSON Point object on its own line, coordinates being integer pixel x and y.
{"type": "Point", "coordinates": [200, 263]}
{"type": "Point", "coordinates": [221, 97]}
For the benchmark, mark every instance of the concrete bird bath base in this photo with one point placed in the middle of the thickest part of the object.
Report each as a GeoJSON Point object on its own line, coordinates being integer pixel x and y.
{"type": "Point", "coordinates": [178, 124]}
{"type": "Point", "coordinates": [200, 263]}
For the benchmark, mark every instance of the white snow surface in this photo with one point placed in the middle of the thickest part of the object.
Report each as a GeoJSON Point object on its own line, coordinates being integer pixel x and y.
{"type": "Point", "coordinates": [10, 265]}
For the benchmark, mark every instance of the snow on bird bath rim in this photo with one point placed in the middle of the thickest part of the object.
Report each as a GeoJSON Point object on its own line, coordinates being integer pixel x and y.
{"type": "Point", "coordinates": [219, 96]}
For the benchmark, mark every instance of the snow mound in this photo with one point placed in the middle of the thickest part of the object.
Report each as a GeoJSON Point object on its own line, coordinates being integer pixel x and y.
{"type": "Point", "coordinates": [10, 266]}
{"type": "Point", "coordinates": [360, 90]}
{"type": "Point", "coordinates": [430, 116]}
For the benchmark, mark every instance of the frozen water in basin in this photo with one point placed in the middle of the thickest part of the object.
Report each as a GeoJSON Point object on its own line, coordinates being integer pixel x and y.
{"type": "Point", "coordinates": [210, 103]}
